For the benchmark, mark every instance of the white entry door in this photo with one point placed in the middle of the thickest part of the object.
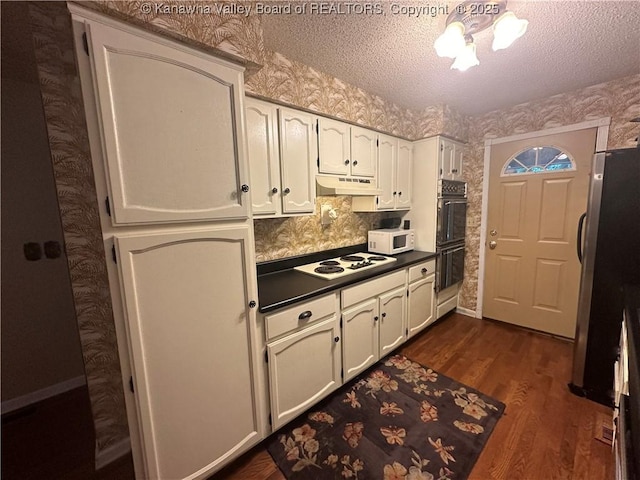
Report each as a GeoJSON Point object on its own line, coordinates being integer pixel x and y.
{"type": "Point", "coordinates": [537, 192]}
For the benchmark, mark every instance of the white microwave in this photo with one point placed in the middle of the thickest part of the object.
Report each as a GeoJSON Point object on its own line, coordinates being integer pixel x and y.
{"type": "Point", "coordinates": [390, 241]}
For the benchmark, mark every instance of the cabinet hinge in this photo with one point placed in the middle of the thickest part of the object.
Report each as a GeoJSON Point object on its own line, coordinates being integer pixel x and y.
{"type": "Point", "coordinates": [131, 385]}
{"type": "Point", "coordinates": [113, 254]}
{"type": "Point", "coordinates": [317, 126]}
{"type": "Point", "coordinates": [407, 292]}
{"type": "Point", "coordinates": [342, 374]}
{"type": "Point", "coordinates": [377, 200]}
{"type": "Point", "coordinates": [85, 43]}
{"type": "Point", "coordinates": [340, 321]}
{"type": "Point", "coordinates": [407, 332]}
{"type": "Point", "coordinates": [377, 142]}
{"type": "Point", "coordinates": [318, 162]}
{"type": "Point", "coordinates": [270, 421]}
{"type": "Point", "coordinates": [266, 356]}
{"type": "Point", "coordinates": [108, 205]}
{"type": "Point", "coordinates": [441, 147]}
{"type": "Point", "coordinates": [440, 171]}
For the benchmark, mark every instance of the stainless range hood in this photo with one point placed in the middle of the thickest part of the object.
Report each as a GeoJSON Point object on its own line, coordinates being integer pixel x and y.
{"type": "Point", "coordinates": [328, 185]}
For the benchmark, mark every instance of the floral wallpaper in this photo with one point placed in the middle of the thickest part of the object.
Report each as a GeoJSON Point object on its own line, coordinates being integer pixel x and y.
{"type": "Point", "coordinates": [618, 99]}
{"type": "Point", "coordinates": [287, 237]}
{"type": "Point", "coordinates": [69, 145]}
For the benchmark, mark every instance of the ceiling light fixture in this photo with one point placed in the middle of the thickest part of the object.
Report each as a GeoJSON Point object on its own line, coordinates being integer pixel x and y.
{"type": "Point", "coordinates": [471, 17]}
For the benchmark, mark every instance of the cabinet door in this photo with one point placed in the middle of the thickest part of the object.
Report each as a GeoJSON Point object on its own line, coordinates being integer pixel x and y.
{"type": "Point", "coordinates": [303, 368]}
{"type": "Point", "coordinates": [190, 331]}
{"type": "Point", "coordinates": [446, 159]}
{"type": "Point", "coordinates": [334, 146]}
{"type": "Point", "coordinates": [392, 320]}
{"type": "Point", "coordinates": [403, 174]}
{"type": "Point", "coordinates": [264, 160]}
{"type": "Point", "coordinates": [172, 129]}
{"type": "Point", "coordinates": [364, 152]}
{"type": "Point", "coordinates": [360, 338]}
{"type": "Point", "coordinates": [421, 304]}
{"type": "Point", "coordinates": [456, 162]}
{"type": "Point", "coordinates": [387, 151]}
{"type": "Point", "coordinates": [298, 155]}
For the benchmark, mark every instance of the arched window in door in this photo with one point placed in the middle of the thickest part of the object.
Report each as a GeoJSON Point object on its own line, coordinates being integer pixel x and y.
{"type": "Point", "coordinates": [538, 160]}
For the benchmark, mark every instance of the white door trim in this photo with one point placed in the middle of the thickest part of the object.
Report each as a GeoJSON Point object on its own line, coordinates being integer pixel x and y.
{"type": "Point", "coordinates": [602, 136]}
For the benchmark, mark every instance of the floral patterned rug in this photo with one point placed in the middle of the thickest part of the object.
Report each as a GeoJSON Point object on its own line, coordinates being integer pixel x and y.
{"type": "Point", "coordinates": [399, 420]}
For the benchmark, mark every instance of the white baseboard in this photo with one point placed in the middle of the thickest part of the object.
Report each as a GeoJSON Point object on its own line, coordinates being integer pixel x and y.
{"type": "Point", "coordinates": [112, 453]}
{"type": "Point", "coordinates": [466, 311]}
{"type": "Point", "coordinates": [38, 395]}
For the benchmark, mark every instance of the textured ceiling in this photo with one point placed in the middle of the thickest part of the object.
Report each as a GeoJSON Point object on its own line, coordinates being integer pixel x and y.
{"type": "Point", "coordinates": [568, 45]}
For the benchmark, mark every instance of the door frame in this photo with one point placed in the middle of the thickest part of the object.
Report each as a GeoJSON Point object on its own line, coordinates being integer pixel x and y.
{"type": "Point", "coordinates": [602, 136]}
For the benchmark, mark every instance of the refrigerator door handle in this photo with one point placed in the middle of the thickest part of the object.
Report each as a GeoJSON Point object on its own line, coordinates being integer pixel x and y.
{"type": "Point", "coordinates": [579, 239]}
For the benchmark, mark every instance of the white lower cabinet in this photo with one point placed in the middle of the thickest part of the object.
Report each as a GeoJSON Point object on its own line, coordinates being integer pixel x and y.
{"type": "Point", "coordinates": [360, 342]}
{"type": "Point", "coordinates": [373, 321]}
{"type": "Point", "coordinates": [421, 304]}
{"type": "Point", "coordinates": [393, 307]}
{"type": "Point", "coordinates": [187, 300]}
{"type": "Point", "coordinates": [304, 359]}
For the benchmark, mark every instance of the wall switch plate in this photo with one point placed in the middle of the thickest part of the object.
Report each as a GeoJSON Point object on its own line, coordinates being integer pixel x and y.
{"type": "Point", "coordinates": [32, 251]}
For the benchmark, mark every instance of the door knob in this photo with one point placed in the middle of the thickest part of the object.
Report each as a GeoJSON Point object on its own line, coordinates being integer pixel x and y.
{"type": "Point", "coordinates": [493, 244]}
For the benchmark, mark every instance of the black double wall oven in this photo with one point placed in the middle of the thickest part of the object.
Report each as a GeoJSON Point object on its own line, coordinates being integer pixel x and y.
{"type": "Point", "coordinates": [450, 233]}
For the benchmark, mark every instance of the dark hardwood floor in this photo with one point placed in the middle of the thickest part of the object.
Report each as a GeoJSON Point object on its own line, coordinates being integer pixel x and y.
{"type": "Point", "coordinates": [54, 439]}
{"type": "Point", "coordinates": [546, 432]}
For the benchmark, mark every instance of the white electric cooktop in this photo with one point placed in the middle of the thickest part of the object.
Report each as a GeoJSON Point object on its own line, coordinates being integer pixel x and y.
{"type": "Point", "coordinates": [338, 267]}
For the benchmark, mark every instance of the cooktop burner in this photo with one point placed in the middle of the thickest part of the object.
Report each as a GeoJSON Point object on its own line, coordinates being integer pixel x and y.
{"type": "Point", "coordinates": [337, 267]}
{"type": "Point", "coordinates": [328, 269]}
{"type": "Point", "coordinates": [330, 262]}
{"type": "Point", "coordinates": [351, 258]}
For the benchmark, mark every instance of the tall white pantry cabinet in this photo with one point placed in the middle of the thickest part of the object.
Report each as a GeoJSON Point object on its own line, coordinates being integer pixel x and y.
{"type": "Point", "coordinates": [168, 148]}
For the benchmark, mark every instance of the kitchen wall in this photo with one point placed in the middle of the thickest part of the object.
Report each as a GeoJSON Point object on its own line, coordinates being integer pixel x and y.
{"type": "Point", "coordinates": [618, 99]}
{"type": "Point", "coordinates": [239, 37]}
{"type": "Point", "coordinates": [41, 351]}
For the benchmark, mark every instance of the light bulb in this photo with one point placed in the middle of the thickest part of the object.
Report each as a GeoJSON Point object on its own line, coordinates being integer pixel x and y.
{"type": "Point", "coordinates": [451, 42]}
{"type": "Point", "coordinates": [507, 29]}
{"type": "Point", "coordinates": [466, 58]}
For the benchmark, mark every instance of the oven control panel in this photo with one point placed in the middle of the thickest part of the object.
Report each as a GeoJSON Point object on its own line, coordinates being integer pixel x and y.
{"type": "Point", "coordinates": [452, 188]}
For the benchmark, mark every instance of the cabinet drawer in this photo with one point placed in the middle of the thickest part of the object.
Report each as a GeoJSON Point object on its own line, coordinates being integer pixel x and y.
{"type": "Point", "coordinates": [422, 270]}
{"type": "Point", "coordinates": [363, 291]}
{"type": "Point", "coordinates": [299, 316]}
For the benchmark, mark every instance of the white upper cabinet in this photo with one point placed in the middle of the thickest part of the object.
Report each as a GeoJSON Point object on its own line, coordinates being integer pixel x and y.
{"type": "Point", "coordinates": [264, 158]}
{"type": "Point", "coordinates": [298, 156]}
{"type": "Point", "coordinates": [395, 164]}
{"type": "Point", "coordinates": [364, 152]}
{"type": "Point", "coordinates": [171, 124]}
{"type": "Point", "coordinates": [404, 169]}
{"type": "Point", "coordinates": [450, 159]}
{"type": "Point", "coordinates": [345, 149]}
{"type": "Point", "coordinates": [334, 146]}
{"type": "Point", "coordinates": [387, 160]}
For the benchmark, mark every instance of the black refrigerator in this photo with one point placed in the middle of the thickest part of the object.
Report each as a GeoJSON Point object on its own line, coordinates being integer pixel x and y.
{"type": "Point", "coordinates": [608, 246]}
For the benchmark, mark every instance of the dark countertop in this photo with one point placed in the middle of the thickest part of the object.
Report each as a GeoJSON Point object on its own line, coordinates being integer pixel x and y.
{"type": "Point", "coordinates": [285, 287]}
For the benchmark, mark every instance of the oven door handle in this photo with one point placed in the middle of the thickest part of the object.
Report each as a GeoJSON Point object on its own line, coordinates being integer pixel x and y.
{"type": "Point", "coordinates": [452, 202]}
